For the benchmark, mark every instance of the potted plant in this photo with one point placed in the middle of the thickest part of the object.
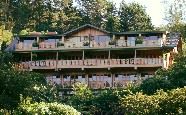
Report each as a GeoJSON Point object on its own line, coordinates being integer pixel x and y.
{"type": "Point", "coordinates": [86, 44]}
{"type": "Point", "coordinates": [35, 45]}
{"type": "Point", "coordinates": [60, 44]}
{"type": "Point", "coordinates": [139, 41]}
{"type": "Point", "coordinates": [112, 43]}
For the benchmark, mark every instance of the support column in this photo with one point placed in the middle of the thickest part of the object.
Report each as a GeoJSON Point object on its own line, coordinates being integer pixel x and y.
{"type": "Point", "coordinates": [37, 39]}
{"type": "Point", "coordinates": [31, 62]}
{"type": "Point", "coordinates": [87, 79]}
{"type": "Point", "coordinates": [109, 55]}
{"type": "Point", "coordinates": [113, 81]}
{"type": "Point", "coordinates": [135, 67]}
{"type": "Point", "coordinates": [62, 39]}
{"type": "Point", "coordinates": [62, 81]}
{"type": "Point", "coordinates": [31, 56]}
{"type": "Point", "coordinates": [113, 37]}
{"type": "Point", "coordinates": [135, 54]}
{"type": "Point", "coordinates": [109, 60]}
{"type": "Point", "coordinates": [83, 57]}
{"type": "Point", "coordinates": [57, 60]}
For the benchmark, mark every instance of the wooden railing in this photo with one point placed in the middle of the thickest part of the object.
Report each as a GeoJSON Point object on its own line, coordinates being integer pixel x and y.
{"type": "Point", "coordinates": [92, 44]}
{"type": "Point", "coordinates": [97, 84]}
{"type": "Point", "coordinates": [110, 62]}
{"type": "Point", "coordinates": [91, 63]}
{"type": "Point", "coordinates": [43, 64]}
{"type": "Point", "coordinates": [47, 45]}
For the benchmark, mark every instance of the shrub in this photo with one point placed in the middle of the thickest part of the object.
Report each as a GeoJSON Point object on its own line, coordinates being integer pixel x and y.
{"type": "Point", "coordinates": [42, 108]}
{"type": "Point", "coordinates": [23, 32]}
{"type": "Point", "coordinates": [161, 103]}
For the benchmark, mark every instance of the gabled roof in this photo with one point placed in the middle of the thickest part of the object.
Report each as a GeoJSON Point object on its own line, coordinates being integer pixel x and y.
{"type": "Point", "coordinates": [83, 27]}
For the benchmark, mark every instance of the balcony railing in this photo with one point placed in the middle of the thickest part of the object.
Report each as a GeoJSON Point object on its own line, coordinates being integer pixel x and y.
{"type": "Point", "coordinates": [133, 43]}
{"type": "Point", "coordinates": [43, 64]}
{"type": "Point", "coordinates": [93, 63]}
{"type": "Point", "coordinates": [110, 62]}
{"type": "Point", "coordinates": [92, 44]}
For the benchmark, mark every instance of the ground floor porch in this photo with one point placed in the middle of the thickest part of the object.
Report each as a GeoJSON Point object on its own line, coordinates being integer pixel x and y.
{"type": "Point", "coordinates": [99, 78]}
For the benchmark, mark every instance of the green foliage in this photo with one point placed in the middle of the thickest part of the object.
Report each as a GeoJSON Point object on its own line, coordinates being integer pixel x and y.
{"type": "Point", "coordinates": [161, 103]}
{"type": "Point", "coordinates": [3, 46]}
{"type": "Point", "coordinates": [14, 83]}
{"type": "Point", "coordinates": [42, 93]}
{"type": "Point", "coordinates": [139, 40]}
{"type": "Point", "coordinates": [81, 100]}
{"type": "Point", "coordinates": [62, 15]}
{"type": "Point", "coordinates": [60, 44]}
{"type": "Point", "coordinates": [171, 78]}
{"type": "Point", "coordinates": [139, 104]}
{"type": "Point", "coordinates": [23, 32]}
{"type": "Point", "coordinates": [35, 44]}
{"type": "Point", "coordinates": [151, 85]}
{"type": "Point", "coordinates": [93, 11]}
{"type": "Point", "coordinates": [133, 17]}
{"type": "Point", "coordinates": [32, 108]}
{"type": "Point", "coordinates": [103, 102]}
{"type": "Point", "coordinates": [7, 36]}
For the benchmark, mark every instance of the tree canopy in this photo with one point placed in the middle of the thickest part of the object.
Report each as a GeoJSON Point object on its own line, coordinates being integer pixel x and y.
{"type": "Point", "coordinates": [63, 15]}
{"type": "Point", "coordinates": [133, 17]}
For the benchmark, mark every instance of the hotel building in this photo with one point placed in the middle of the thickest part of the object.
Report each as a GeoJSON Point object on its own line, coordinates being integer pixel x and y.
{"type": "Point", "coordinates": [96, 57]}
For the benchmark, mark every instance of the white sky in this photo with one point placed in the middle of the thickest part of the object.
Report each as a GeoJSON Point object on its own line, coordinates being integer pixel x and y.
{"type": "Point", "coordinates": [154, 9]}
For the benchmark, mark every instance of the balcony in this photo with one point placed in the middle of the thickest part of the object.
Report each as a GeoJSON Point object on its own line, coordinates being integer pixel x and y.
{"type": "Point", "coordinates": [143, 43]}
{"type": "Point", "coordinates": [105, 63]}
{"type": "Point", "coordinates": [97, 84]}
{"type": "Point", "coordinates": [45, 45]}
{"type": "Point", "coordinates": [92, 44]}
{"type": "Point", "coordinates": [43, 64]}
{"type": "Point", "coordinates": [92, 63]}
{"type": "Point", "coordinates": [23, 66]}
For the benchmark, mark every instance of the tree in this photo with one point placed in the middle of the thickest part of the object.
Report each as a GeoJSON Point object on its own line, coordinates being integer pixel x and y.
{"type": "Point", "coordinates": [111, 22]}
{"type": "Point", "coordinates": [173, 77]}
{"type": "Point", "coordinates": [175, 16]}
{"type": "Point", "coordinates": [151, 85]}
{"type": "Point", "coordinates": [67, 17]}
{"type": "Point", "coordinates": [82, 98]}
{"type": "Point", "coordinates": [134, 18]}
{"type": "Point", "coordinates": [175, 13]}
{"type": "Point", "coordinates": [14, 83]}
{"type": "Point", "coordinates": [92, 11]}
{"type": "Point", "coordinates": [161, 103]}
{"type": "Point", "coordinates": [3, 46]}
{"type": "Point", "coordinates": [28, 107]}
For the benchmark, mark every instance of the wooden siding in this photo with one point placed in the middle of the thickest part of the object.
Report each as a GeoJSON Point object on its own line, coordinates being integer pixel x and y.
{"type": "Point", "coordinates": [89, 31]}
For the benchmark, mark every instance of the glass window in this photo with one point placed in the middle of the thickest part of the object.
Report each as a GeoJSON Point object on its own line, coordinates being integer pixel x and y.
{"type": "Point", "coordinates": [101, 39]}
{"type": "Point", "coordinates": [28, 41]}
{"type": "Point", "coordinates": [51, 40]}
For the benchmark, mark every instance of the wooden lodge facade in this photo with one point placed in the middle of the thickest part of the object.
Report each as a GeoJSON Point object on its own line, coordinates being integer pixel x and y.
{"type": "Point", "coordinates": [96, 57]}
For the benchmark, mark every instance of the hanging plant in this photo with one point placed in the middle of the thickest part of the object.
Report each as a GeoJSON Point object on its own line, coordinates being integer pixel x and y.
{"type": "Point", "coordinates": [139, 40]}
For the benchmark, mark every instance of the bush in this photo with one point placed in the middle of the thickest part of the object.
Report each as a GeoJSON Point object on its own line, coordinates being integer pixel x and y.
{"type": "Point", "coordinates": [161, 103]}
{"type": "Point", "coordinates": [151, 85]}
{"type": "Point", "coordinates": [42, 108]}
{"type": "Point", "coordinates": [23, 32]}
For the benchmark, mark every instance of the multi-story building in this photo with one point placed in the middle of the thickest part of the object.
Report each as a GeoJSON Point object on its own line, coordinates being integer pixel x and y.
{"type": "Point", "coordinates": [94, 56]}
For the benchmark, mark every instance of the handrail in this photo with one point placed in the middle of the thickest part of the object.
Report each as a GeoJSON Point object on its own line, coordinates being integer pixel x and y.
{"type": "Point", "coordinates": [94, 44]}
{"type": "Point", "coordinates": [93, 63]}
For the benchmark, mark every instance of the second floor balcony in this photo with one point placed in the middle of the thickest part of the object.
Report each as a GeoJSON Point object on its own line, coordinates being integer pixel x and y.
{"type": "Point", "coordinates": [89, 44]}
{"type": "Point", "coordinates": [92, 63]}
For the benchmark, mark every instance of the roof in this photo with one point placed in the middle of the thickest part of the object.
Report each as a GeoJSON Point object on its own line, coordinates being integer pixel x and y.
{"type": "Point", "coordinates": [140, 32]}
{"type": "Point", "coordinates": [83, 27]}
{"type": "Point", "coordinates": [22, 36]}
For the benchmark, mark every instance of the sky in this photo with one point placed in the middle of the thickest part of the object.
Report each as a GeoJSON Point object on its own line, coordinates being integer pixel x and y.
{"type": "Point", "coordinates": [154, 9]}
